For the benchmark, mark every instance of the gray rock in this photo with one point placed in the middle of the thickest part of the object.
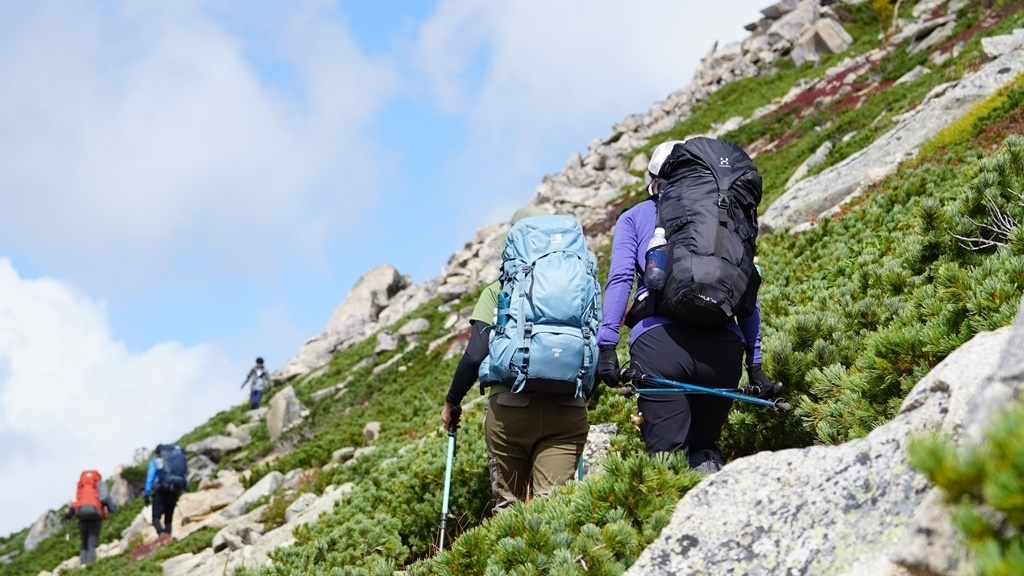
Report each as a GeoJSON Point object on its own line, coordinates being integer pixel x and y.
{"type": "Point", "coordinates": [995, 46]}
{"type": "Point", "coordinates": [596, 448]}
{"type": "Point", "coordinates": [371, 431]}
{"type": "Point", "coordinates": [185, 564]}
{"type": "Point", "coordinates": [200, 467]}
{"type": "Point", "coordinates": [300, 505]}
{"type": "Point", "coordinates": [917, 72]}
{"type": "Point", "coordinates": [45, 526]}
{"type": "Point", "coordinates": [386, 342]}
{"type": "Point", "coordinates": [120, 490]}
{"type": "Point", "coordinates": [239, 433]}
{"type": "Point", "coordinates": [414, 326]}
{"type": "Point", "coordinates": [778, 9]}
{"type": "Point", "coordinates": [265, 487]}
{"type": "Point", "coordinates": [343, 454]}
{"type": "Point", "coordinates": [816, 159]}
{"type": "Point", "coordinates": [285, 411]}
{"type": "Point", "coordinates": [215, 447]}
{"type": "Point", "coordinates": [791, 25]}
{"type": "Point", "coordinates": [226, 495]}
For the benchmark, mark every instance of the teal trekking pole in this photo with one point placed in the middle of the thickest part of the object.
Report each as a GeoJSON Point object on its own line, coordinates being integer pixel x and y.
{"type": "Point", "coordinates": [452, 428]}
{"type": "Point", "coordinates": [746, 394]}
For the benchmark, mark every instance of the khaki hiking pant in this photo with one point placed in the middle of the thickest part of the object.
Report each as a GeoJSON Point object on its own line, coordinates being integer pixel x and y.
{"type": "Point", "coordinates": [533, 443]}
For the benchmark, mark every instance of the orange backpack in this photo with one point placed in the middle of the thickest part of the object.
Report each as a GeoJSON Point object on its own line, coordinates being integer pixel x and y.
{"type": "Point", "coordinates": [87, 504]}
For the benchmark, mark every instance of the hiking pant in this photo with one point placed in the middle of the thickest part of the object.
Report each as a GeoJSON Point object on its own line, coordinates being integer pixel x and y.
{"type": "Point", "coordinates": [164, 502]}
{"type": "Point", "coordinates": [89, 531]}
{"type": "Point", "coordinates": [708, 356]}
{"type": "Point", "coordinates": [254, 398]}
{"type": "Point", "coordinates": [533, 443]}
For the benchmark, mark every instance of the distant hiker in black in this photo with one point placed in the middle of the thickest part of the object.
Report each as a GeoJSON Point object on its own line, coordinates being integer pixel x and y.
{"type": "Point", "coordinates": [166, 479]}
{"type": "Point", "coordinates": [257, 379]}
{"type": "Point", "coordinates": [91, 504]}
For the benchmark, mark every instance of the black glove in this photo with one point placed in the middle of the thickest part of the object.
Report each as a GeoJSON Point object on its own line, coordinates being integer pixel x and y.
{"type": "Point", "coordinates": [757, 378]}
{"type": "Point", "coordinates": [608, 365]}
{"type": "Point", "coordinates": [456, 412]}
{"type": "Point", "coordinates": [146, 500]}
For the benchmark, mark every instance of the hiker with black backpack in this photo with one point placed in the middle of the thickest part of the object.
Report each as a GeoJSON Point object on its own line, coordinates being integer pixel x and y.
{"type": "Point", "coordinates": [166, 479]}
{"type": "Point", "coordinates": [91, 504]}
{"type": "Point", "coordinates": [533, 346]}
{"type": "Point", "coordinates": [704, 318]}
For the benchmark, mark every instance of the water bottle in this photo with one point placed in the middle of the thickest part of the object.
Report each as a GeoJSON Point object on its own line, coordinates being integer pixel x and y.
{"type": "Point", "coordinates": [504, 301]}
{"type": "Point", "coordinates": [657, 261]}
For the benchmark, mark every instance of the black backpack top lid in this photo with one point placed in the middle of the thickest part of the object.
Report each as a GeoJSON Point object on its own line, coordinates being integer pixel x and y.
{"type": "Point", "coordinates": [708, 195]}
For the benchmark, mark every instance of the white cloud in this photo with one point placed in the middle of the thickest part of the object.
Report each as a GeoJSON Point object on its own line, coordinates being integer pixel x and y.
{"type": "Point", "coordinates": [551, 70]}
{"type": "Point", "coordinates": [134, 130]}
{"type": "Point", "coordinates": [73, 398]}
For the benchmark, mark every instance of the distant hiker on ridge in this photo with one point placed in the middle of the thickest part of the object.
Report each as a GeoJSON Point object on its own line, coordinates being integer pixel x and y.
{"type": "Point", "coordinates": [91, 504]}
{"type": "Point", "coordinates": [257, 379]}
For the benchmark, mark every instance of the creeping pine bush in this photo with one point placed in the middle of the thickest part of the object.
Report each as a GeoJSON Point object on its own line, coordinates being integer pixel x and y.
{"type": "Point", "coordinates": [598, 526]}
{"type": "Point", "coordinates": [861, 307]}
{"type": "Point", "coordinates": [985, 483]}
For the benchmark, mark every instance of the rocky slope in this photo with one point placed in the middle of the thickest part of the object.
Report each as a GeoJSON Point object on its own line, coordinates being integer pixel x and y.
{"type": "Point", "coordinates": [870, 514]}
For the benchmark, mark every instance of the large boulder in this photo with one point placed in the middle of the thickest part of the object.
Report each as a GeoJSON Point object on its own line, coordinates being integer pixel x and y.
{"type": "Point", "coordinates": [285, 411]}
{"type": "Point", "coordinates": [47, 525]}
{"type": "Point", "coordinates": [354, 318]}
{"type": "Point", "coordinates": [121, 491]}
{"type": "Point", "coordinates": [857, 508]}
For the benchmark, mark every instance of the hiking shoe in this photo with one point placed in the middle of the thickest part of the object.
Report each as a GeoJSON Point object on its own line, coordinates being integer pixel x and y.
{"type": "Point", "coordinates": [708, 461]}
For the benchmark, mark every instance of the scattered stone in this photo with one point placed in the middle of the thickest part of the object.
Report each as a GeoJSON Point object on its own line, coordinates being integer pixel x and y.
{"type": "Point", "coordinates": [285, 412]}
{"type": "Point", "coordinates": [371, 431]}
{"type": "Point", "coordinates": [215, 447]}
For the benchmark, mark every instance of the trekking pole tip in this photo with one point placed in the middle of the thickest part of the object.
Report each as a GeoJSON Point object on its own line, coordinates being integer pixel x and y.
{"type": "Point", "coordinates": [782, 406]}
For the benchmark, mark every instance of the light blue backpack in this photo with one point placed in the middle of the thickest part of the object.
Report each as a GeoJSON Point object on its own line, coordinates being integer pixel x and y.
{"type": "Point", "coordinates": [545, 335]}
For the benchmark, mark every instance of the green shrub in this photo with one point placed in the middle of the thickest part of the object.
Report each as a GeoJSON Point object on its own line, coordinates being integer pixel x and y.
{"type": "Point", "coordinates": [984, 484]}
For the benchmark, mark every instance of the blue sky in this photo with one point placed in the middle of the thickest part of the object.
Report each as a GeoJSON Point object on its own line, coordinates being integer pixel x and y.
{"type": "Point", "coordinates": [187, 184]}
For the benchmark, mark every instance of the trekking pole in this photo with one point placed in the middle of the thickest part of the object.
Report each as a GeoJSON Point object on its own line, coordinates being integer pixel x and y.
{"type": "Point", "coordinates": [673, 387]}
{"type": "Point", "coordinates": [452, 428]}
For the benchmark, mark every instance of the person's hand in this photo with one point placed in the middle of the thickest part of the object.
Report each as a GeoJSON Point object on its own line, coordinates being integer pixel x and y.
{"type": "Point", "coordinates": [608, 365]}
{"type": "Point", "coordinates": [757, 377]}
{"type": "Point", "coordinates": [450, 415]}
{"type": "Point", "coordinates": [146, 500]}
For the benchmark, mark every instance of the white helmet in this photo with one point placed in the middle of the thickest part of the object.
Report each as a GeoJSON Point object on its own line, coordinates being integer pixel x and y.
{"type": "Point", "coordinates": [658, 157]}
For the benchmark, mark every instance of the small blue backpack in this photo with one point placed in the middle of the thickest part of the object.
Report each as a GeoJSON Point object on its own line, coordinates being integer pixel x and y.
{"type": "Point", "coordinates": [545, 334]}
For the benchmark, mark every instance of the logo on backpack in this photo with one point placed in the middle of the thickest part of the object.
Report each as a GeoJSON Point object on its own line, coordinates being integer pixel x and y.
{"type": "Point", "coordinates": [545, 334]}
{"type": "Point", "coordinates": [171, 468]}
{"type": "Point", "coordinates": [708, 192]}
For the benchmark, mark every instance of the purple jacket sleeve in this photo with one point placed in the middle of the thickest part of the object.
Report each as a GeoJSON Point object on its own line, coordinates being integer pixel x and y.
{"type": "Point", "coordinates": [751, 329]}
{"type": "Point", "coordinates": [621, 276]}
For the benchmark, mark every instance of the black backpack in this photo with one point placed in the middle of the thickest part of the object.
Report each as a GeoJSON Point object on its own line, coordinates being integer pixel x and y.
{"type": "Point", "coordinates": [708, 192]}
{"type": "Point", "coordinates": [171, 468]}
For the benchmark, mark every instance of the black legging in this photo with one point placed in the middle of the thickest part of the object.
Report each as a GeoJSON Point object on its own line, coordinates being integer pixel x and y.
{"type": "Point", "coordinates": [164, 502]}
{"type": "Point", "coordinates": [89, 530]}
{"type": "Point", "coordinates": [706, 356]}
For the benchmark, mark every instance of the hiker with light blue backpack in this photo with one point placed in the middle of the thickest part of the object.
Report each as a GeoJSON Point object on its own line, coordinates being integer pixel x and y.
{"type": "Point", "coordinates": [533, 347]}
